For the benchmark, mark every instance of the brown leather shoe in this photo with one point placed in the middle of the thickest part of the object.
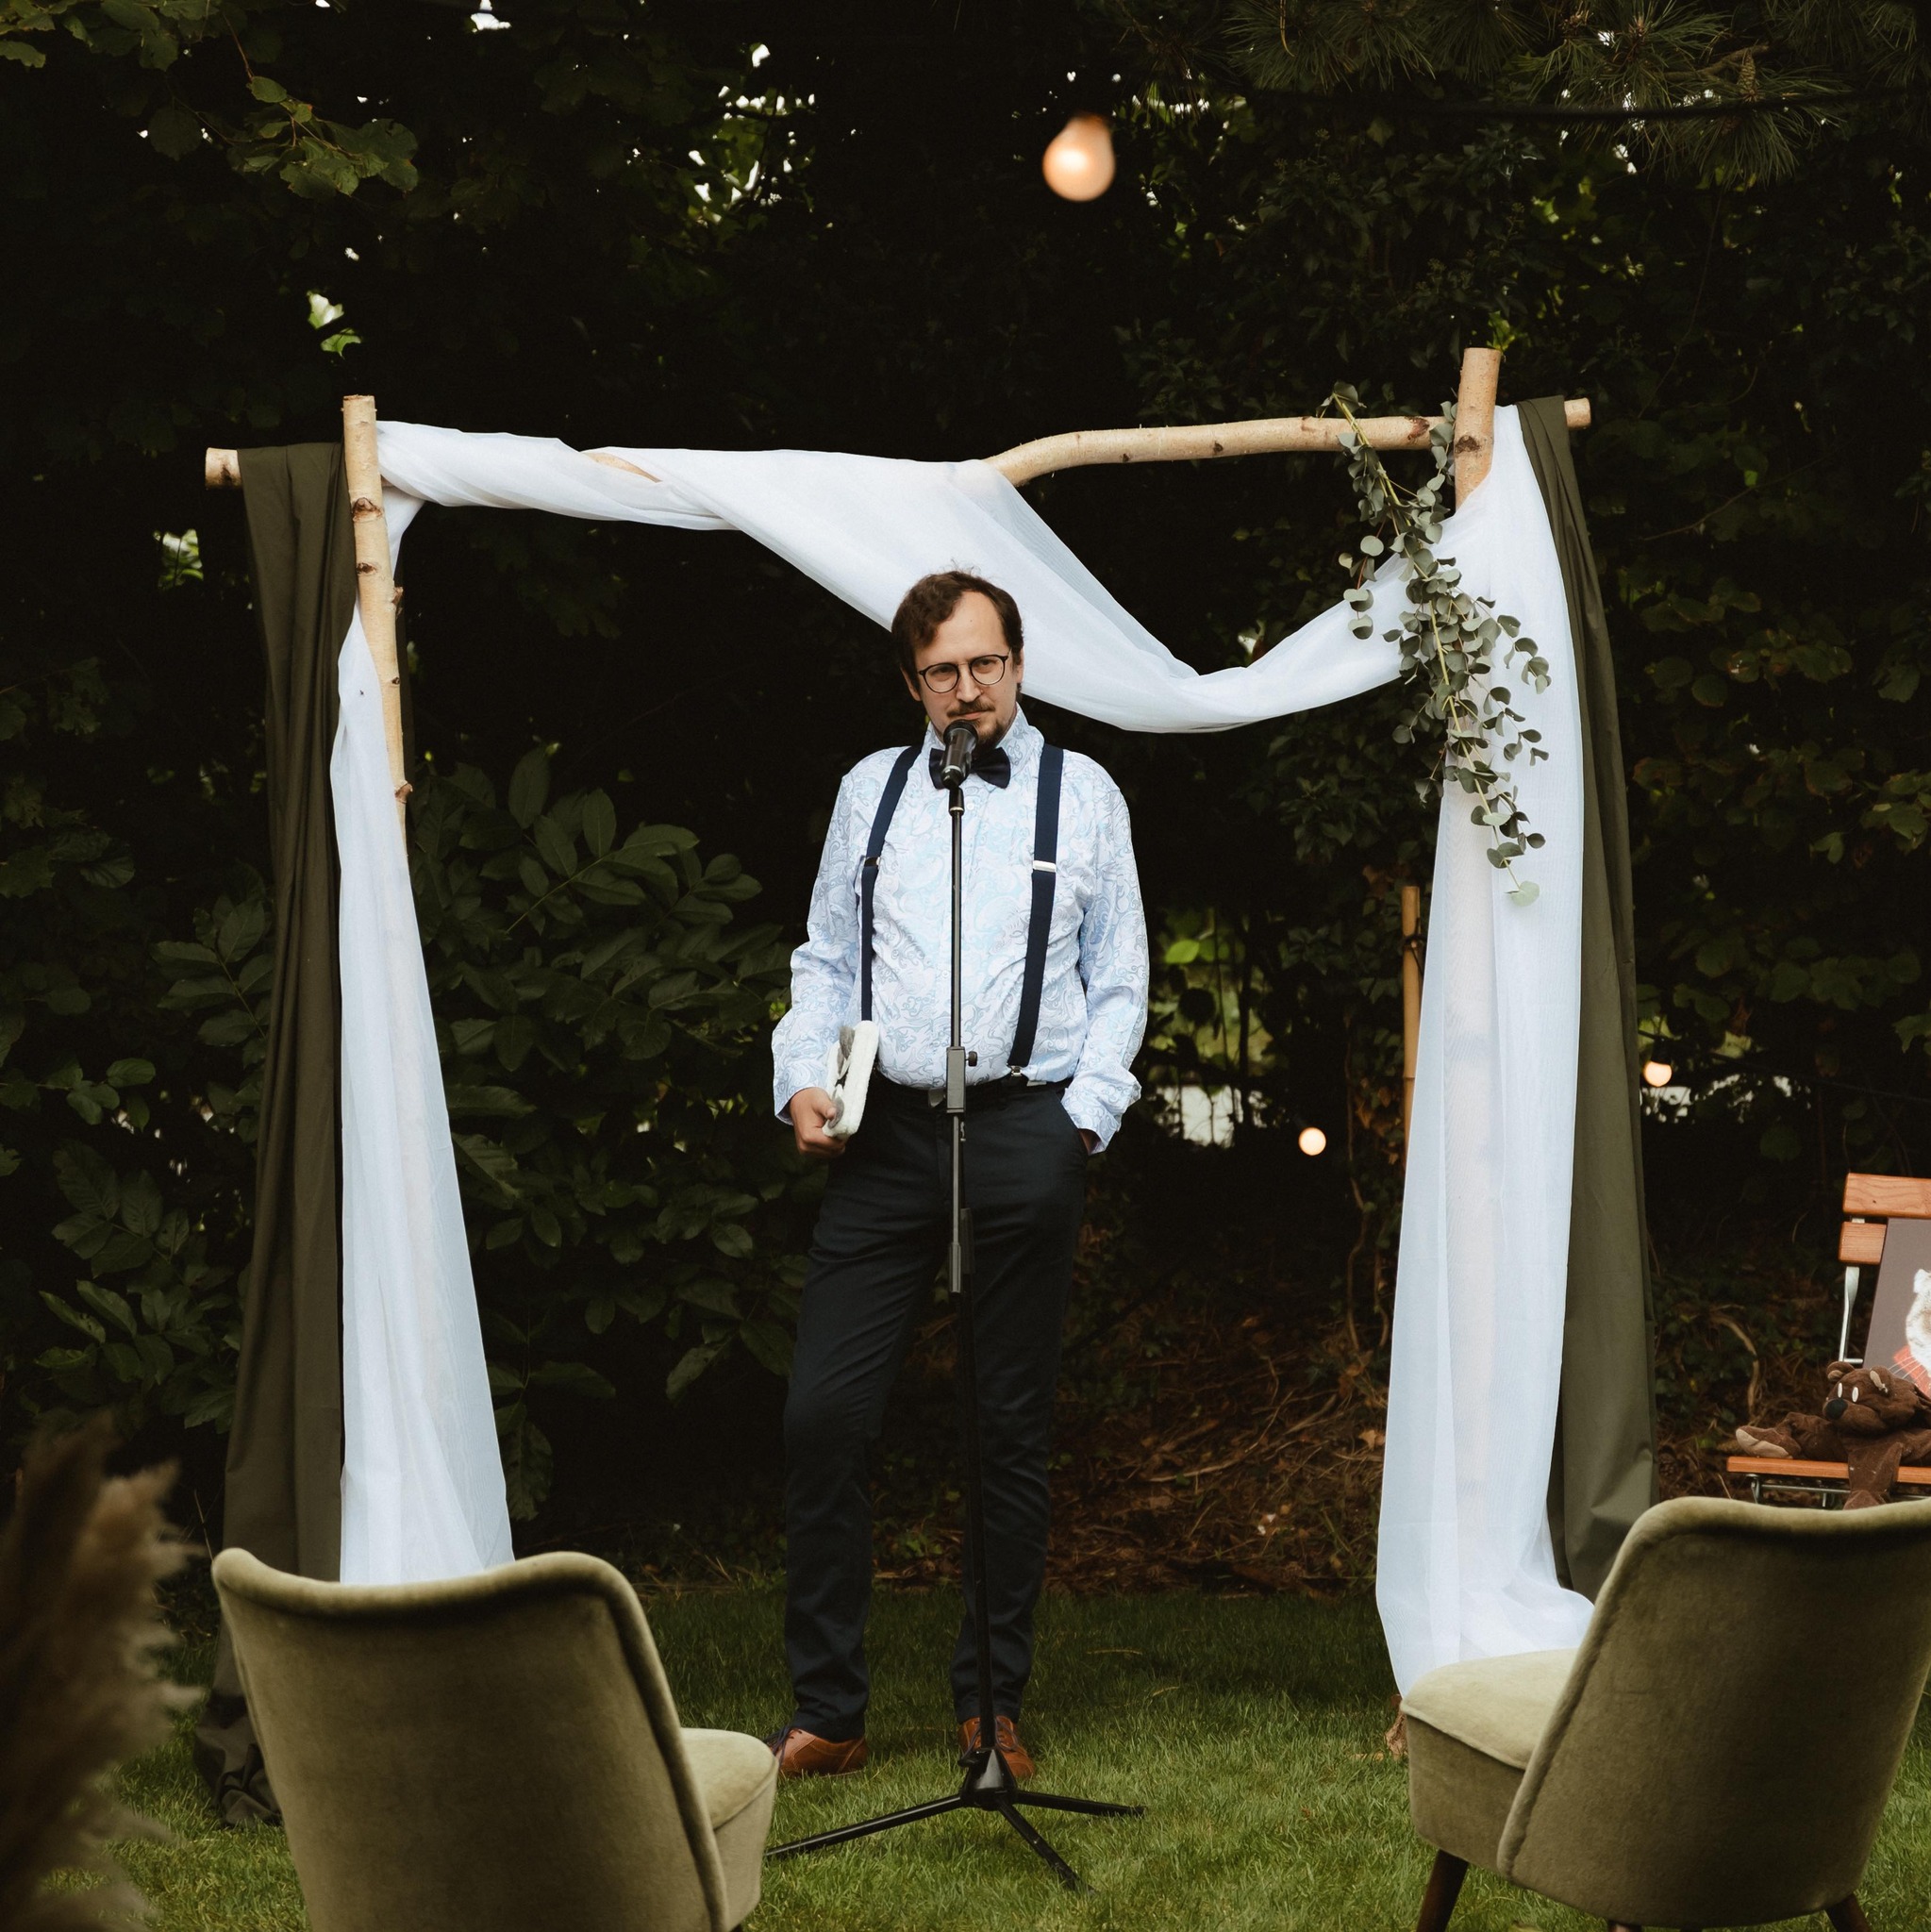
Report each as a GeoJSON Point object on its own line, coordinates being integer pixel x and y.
{"type": "Point", "coordinates": [799, 1754]}
{"type": "Point", "coordinates": [1019, 1760]}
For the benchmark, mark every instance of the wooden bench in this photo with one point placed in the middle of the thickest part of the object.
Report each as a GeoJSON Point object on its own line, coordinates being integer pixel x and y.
{"type": "Point", "coordinates": [1871, 1203]}
{"type": "Point", "coordinates": [1789, 1477]}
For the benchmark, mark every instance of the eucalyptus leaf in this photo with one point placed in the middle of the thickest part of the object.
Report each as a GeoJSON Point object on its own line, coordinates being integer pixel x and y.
{"type": "Point", "coordinates": [1448, 639]}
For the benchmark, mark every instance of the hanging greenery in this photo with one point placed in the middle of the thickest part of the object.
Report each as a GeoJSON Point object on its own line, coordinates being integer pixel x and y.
{"type": "Point", "coordinates": [1448, 642]}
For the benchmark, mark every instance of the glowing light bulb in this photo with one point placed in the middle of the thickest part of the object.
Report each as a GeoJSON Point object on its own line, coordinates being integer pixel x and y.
{"type": "Point", "coordinates": [1658, 1072]}
{"type": "Point", "coordinates": [1313, 1142]}
{"type": "Point", "coordinates": [1078, 162]}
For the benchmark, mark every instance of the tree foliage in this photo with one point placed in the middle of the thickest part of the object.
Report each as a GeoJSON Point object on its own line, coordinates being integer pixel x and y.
{"type": "Point", "coordinates": [824, 227]}
{"type": "Point", "coordinates": [600, 1021]}
{"type": "Point", "coordinates": [242, 110]}
{"type": "Point", "coordinates": [1737, 92]}
{"type": "Point", "coordinates": [596, 1016]}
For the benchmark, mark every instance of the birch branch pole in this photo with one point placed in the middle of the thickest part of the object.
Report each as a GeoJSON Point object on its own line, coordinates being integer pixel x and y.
{"type": "Point", "coordinates": [1474, 418]}
{"type": "Point", "coordinates": [1202, 441]}
{"type": "Point", "coordinates": [1411, 1005]}
{"type": "Point", "coordinates": [1474, 439]}
{"type": "Point", "coordinates": [375, 595]}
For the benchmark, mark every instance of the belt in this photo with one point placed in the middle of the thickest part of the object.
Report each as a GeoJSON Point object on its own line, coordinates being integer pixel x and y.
{"type": "Point", "coordinates": [980, 1093]}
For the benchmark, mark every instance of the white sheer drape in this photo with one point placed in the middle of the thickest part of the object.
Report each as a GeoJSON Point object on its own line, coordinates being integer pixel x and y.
{"type": "Point", "coordinates": [1466, 1566]}
{"type": "Point", "coordinates": [422, 1476]}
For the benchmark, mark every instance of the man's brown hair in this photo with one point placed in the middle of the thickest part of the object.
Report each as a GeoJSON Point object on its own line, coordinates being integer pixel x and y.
{"type": "Point", "coordinates": [933, 599]}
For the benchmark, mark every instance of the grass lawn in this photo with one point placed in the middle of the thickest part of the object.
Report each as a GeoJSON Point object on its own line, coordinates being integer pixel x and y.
{"type": "Point", "coordinates": [1249, 1726]}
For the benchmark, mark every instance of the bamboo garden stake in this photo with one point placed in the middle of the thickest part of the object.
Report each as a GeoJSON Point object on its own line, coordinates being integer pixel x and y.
{"type": "Point", "coordinates": [374, 578]}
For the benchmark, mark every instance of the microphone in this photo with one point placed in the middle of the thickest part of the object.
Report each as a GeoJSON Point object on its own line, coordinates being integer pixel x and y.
{"type": "Point", "coordinates": [961, 741]}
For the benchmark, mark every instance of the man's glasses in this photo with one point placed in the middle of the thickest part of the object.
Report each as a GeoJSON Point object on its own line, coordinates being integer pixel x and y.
{"type": "Point", "coordinates": [941, 678]}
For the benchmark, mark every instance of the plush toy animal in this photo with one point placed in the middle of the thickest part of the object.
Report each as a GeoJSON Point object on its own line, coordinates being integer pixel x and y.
{"type": "Point", "coordinates": [1873, 1419]}
{"type": "Point", "coordinates": [1914, 1358]}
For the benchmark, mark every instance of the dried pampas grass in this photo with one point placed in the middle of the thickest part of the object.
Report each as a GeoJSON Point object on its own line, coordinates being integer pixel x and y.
{"type": "Point", "coordinates": [79, 1692]}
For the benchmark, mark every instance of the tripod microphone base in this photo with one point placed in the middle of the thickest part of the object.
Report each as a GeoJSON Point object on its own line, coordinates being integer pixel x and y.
{"type": "Point", "coordinates": [988, 1786]}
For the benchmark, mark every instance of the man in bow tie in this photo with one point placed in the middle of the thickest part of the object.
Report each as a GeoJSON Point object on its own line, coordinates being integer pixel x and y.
{"type": "Point", "coordinates": [1056, 977]}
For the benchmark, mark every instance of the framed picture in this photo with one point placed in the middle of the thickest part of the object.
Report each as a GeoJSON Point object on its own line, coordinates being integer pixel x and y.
{"type": "Point", "coordinates": [1900, 1334]}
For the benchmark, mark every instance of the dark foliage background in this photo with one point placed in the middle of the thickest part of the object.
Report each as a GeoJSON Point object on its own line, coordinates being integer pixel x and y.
{"type": "Point", "coordinates": [823, 224]}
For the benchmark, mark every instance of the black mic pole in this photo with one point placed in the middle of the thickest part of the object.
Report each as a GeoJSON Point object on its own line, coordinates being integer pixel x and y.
{"type": "Point", "coordinates": [960, 742]}
{"type": "Point", "coordinates": [989, 1785]}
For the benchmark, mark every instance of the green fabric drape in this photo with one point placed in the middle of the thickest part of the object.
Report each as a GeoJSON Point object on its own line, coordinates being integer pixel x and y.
{"type": "Point", "coordinates": [284, 1468]}
{"type": "Point", "coordinates": [1602, 1475]}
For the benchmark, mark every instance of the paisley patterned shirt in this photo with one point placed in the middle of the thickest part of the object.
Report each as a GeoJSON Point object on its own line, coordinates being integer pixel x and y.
{"type": "Point", "coordinates": [1092, 1010]}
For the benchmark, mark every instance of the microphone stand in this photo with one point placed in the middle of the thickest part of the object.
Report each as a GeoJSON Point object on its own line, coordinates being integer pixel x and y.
{"type": "Point", "coordinates": [989, 1784]}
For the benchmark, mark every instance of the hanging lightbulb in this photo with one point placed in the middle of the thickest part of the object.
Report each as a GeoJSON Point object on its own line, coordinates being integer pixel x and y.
{"type": "Point", "coordinates": [1313, 1142]}
{"type": "Point", "coordinates": [1078, 162]}
{"type": "Point", "coordinates": [1658, 1072]}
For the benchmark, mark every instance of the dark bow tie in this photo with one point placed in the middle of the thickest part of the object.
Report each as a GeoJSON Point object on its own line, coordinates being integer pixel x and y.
{"type": "Point", "coordinates": [993, 766]}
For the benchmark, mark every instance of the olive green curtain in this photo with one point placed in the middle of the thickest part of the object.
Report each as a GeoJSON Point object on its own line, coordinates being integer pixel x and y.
{"type": "Point", "coordinates": [283, 1500]}
{"type": "Point", "coordinates": [1602, 1475]}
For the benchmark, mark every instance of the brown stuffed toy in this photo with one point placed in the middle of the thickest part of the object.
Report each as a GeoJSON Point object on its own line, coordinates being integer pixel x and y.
{"type": "Point", "coordinates": [1873, 1419]}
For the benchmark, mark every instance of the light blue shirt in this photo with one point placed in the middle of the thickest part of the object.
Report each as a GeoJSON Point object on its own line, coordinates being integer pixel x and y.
{"type": "Point", "coordinates": [1093, 1008]}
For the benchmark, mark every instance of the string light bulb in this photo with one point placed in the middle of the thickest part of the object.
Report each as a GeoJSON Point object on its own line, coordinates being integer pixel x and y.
{"type": "Point", "coordinates": [1658, 1072]}
{"type": "Point", "coordinates": [1079, 161]}
{"type": "Point", "coordinates": [1313, 1142]}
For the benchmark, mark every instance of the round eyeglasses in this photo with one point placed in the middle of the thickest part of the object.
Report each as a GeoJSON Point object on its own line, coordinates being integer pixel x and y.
{"type": "Point", "coordinates": [986, 671]}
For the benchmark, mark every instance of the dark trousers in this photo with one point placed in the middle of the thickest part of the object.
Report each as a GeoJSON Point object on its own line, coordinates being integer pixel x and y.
{"type": "Point", "coordinates": [880, 1243]}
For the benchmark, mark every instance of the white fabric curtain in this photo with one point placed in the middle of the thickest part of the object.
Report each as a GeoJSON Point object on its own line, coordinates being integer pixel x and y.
{"type": "Point", "coordinates": [1466, 1564]}
{"type": "Point", "coordinates": [421, 1476]}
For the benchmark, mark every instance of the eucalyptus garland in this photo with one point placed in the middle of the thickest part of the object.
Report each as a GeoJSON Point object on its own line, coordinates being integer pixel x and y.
{"type": "Point", "coordinates": [1448, 642]}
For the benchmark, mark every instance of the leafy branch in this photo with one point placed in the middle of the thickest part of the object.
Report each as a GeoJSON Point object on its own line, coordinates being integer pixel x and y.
{"type": "Point", "coordinates": [1448, 642]}
{"type": "Point", "coordinates": [274, 132]}
{"type": "Point", "coordinates": [1653, 83]}
{"type": "Point", "coordinates": [595, 998]}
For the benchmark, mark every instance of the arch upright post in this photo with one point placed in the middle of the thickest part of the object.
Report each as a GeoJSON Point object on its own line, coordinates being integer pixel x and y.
{"type": "Point", "coordinates": [375, 593]}
{"type": "Point", "coordinates": [1474, 420]}
{"type": "Point", "coordinates": [1410, 1006]}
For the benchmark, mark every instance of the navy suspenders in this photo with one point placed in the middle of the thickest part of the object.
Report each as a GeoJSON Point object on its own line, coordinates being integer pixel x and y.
{"type": "Point", "coordinates": [1045, 879]}
{"type": "Point", "coordinates": [868, 873]}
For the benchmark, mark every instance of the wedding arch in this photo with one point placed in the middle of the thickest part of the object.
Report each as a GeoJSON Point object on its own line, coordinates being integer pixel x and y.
{"type": "Point", "coordinates": [1520, 1430]}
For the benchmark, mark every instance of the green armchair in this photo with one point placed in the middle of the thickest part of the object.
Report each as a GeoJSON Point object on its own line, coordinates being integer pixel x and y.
{"type": "Point", "coordinates": [495, 1754]}
{"type": "Point", "coordinates": [1736, 1651]}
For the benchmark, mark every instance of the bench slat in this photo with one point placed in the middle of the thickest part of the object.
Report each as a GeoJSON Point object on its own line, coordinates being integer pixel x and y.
{"type": "Point", "coordinates": [1861, 1243]}
{"type": "Point", "coordinates": [1791, 1465]}
{"type": "Point", "coordinates": [1902, 1196]}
